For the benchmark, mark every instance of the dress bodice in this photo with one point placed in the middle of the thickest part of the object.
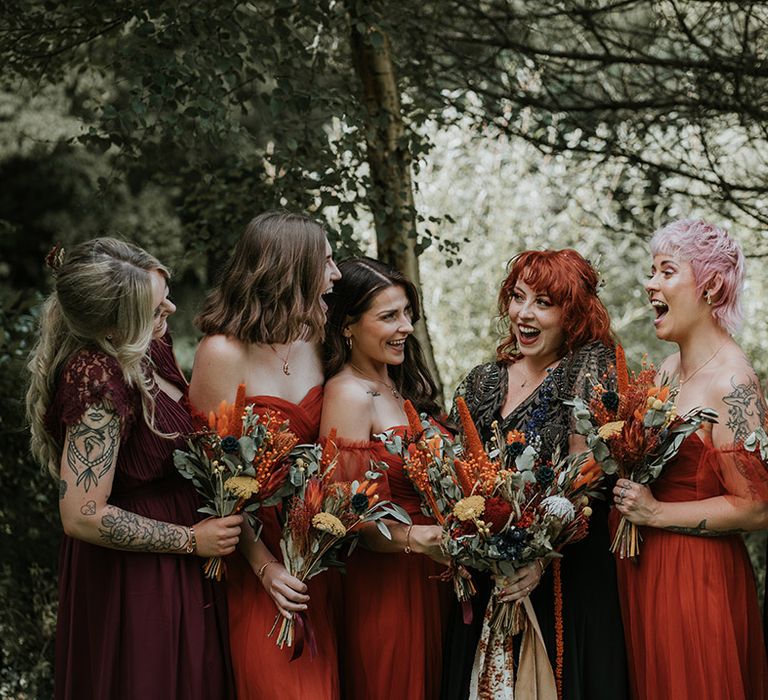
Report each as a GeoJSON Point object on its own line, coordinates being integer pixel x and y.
{"type": "Point", "coordinates": [303, 417]}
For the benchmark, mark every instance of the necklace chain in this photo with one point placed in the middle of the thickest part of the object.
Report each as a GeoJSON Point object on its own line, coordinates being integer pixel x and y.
{"type": "Point", "coordinates": [286, 366]}
{"type": "Point", "coordinates": [527, 377]}
{"type": "Point", "coordinates": [391, 387]}
{"type": "Point", "coordinates": [703, 365]}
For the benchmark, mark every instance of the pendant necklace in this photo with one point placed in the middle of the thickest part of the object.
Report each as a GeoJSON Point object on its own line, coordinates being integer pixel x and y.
{"type": "Point", "coordinates": [286, 367]}
{"type": "Point", "coordinates": [391, 387]}
{"type": "Point", "coordinates": [525, 381]}
{"type": "Point", "coordinates": [702, 366]}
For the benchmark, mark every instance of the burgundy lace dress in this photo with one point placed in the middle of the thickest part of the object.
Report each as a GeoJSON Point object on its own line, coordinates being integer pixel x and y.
{"type": "Point", "coordinates": [134, 624]}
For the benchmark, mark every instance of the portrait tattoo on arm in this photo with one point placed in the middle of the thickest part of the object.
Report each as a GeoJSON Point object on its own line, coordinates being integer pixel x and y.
{"type": "Point", "coordinates": [745, 409]}
{"type": "Point", "coordinates": [125, 530]}
{"type": "Point", "coordinates": [92, 444]}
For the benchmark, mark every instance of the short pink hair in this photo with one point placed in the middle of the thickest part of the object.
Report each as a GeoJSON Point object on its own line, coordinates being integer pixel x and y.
{"type": "Point", "coordinates": [709, 250]}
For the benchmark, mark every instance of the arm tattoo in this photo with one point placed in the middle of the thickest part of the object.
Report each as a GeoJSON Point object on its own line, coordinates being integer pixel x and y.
{"type": "Point", "coordinates": [701, 531]}
{"type": "Point", "coordinates": [745, 409]}
{"type": "Point", "coordinates": [89, 508]}
{"type": "Point", "coordinates": [124, 530]}
{"type": "Point", "coordinates": [92, 444]}
{"type": "Point", "coordinates": [62, 489]}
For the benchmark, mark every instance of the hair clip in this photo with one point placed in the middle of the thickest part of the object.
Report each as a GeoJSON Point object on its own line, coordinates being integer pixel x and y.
{"type": "Point", "coordinates": [55, 258]}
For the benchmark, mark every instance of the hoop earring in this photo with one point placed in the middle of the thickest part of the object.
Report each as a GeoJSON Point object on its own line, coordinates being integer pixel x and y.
{"type": "Point", "coordinates": [348, 342]}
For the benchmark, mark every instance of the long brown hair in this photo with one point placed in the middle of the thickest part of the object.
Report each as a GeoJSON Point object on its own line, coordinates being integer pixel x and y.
{"type": "Point", "coordinates": [361, 280]}
{"type": "Point", "coordinates": [270, 290]}
{"type": "Point", "coordinates": [571, 283]}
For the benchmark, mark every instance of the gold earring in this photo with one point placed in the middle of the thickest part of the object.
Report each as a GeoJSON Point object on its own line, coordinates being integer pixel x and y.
{"type": "Point", "coordinates": [348, 341]}
{"type": "Point", "coordinates": [708, 298]}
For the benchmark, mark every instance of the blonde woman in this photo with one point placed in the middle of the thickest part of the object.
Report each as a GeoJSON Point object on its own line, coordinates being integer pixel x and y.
{"type": "Point", "coordinates": [136, 618]}
{"type": "Point", "coordinates": [262, 325]}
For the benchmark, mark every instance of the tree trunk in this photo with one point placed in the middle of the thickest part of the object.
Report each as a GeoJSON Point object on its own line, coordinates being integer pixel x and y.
{"type": "Point", "coordinates": [389, 160]}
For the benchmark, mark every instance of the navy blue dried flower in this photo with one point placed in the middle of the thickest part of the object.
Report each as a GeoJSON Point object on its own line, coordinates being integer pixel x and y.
{"type": "Point", "coordinates": [545, 475]}
{"type": "Point", "coordinates": [230, 445]}
{"type": "Point", "coordinates": [610, 400]}
{"type": "Point", "coordinates": [515, 448]}
{"type": "Point", "coordinates": [360, 503]}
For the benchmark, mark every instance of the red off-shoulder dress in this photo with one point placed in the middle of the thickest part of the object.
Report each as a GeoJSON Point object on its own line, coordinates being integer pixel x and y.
{"type": "Point", "coordinates": [691, 616]}
{"type": "Point", "coordinates": [394, 608]}
{"type": "Point", "coordinates": [262, 670]}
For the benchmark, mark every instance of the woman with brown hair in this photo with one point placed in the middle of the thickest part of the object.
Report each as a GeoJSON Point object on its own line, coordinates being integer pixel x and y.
{"type": "Point", "coordinates": [136, 618]}
{"type": "Point", "coordinates": [557, 344]}
{"type": "Point", "coordinates": [263, 323]}
{"type": "Point", "coordinates": [393, 606]}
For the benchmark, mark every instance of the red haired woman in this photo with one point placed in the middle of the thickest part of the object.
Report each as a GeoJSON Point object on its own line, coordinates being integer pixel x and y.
{"type": "Point", "coordinates": [557, 345]}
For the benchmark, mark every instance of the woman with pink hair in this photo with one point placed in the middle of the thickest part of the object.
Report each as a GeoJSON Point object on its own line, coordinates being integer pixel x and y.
{"type": "Point", "coordinates": [690, 609]}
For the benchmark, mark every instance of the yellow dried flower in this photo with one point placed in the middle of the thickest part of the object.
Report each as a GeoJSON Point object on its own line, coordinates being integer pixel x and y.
{"type": "Point", "coordinates": [587, 511]}
{"type": "Point", "coordinates": [242, 486]}
{"type": "Point", "coordinates": [658, 404]}
{"type": "Point", "coordinates": [469, 508]}
{"type": "Point", "coordinates": [611, 429]}
{"type": "Point", "coordinates": [326, 522]}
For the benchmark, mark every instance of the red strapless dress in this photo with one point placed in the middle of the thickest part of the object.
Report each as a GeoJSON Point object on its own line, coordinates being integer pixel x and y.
{"type": "Point", "coordinates": [394, 609]}
{"type": "Point", "coordinates": [262, 670]}
{"type": "Point", "coordinates": [691, 616]}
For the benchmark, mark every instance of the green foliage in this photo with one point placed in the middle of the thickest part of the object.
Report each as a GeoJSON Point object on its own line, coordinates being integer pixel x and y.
{"type": "Point", "coordinates": [29, 524]}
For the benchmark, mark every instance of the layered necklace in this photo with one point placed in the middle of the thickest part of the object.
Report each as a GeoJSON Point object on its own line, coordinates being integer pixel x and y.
{"type": "Point", "coordinates": [367, 376]}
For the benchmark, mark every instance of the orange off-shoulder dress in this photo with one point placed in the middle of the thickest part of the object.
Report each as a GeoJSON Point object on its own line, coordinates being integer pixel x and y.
{"type": "Point", "coordinates": [262, 670]}
{"type": "Point", "coordinates": [691, 616]}
{"type": "Point", "coordinates": [394, 607]}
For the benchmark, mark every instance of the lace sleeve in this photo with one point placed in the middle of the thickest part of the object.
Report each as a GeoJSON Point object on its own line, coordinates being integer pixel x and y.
{"type": "Point", "coordinates": [91, 377]}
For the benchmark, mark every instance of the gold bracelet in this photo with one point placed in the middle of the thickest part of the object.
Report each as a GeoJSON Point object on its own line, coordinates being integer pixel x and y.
{"type": "Point", "coordinates": [263, 568]}
{"type": "Point", "coordinates": [191, 547]}
{"type": "Point", "coordinates": [408, 549]}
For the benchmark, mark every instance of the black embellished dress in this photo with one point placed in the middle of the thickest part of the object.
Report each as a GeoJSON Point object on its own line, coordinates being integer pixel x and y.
{"type": "Point", "coordinates": [594, 658]}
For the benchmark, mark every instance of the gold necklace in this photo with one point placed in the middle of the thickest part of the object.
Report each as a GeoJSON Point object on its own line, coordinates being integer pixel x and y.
{"type": "Point", "coordinates": [527, 377]}
{"type": "Point", "coordinates": [391, 387]}
{"type": "Point", "coordinates": [286, 367]}
{"type": "Point", "coordinates": [702, 366]}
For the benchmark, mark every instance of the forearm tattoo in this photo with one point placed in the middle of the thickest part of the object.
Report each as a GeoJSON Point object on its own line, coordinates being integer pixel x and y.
{"type": "Point", "coordinates": [701, 531]}
{"type": "Point", "coordinates": [122, 529]}
{"type": "Point", "coordinates": [92, 444]}
{"type": "Point", "coordinates": [746, 410]}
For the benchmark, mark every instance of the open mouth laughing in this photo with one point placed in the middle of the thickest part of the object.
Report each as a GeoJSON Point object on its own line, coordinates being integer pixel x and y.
{"type": "Point", "coordinates": [661, 310]}
{"type": "Point", "coordinates": [528, 334]}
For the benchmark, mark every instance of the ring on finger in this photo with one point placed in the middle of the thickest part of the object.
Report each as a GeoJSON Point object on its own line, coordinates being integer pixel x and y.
{"type": "Point", "coordinates": [623, 492]}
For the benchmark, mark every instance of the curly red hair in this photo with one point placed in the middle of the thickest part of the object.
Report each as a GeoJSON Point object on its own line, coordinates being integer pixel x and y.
{"type": "Point", "coordinates": [571, 283]}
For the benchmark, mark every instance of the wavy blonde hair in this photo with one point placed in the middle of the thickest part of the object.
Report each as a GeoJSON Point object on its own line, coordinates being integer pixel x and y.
{"type": "Point", "coordinates": [270, 290]}
{"type": "Point", "coordinates": [102, 298]}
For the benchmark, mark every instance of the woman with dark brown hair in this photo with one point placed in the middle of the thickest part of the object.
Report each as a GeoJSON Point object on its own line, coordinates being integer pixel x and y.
{"type": "Point", "coordinates": [393, 606]}
{"type": "Point", "coordinates": [558, 344]}
{"type": "Point", "coordinates": [263, 324]}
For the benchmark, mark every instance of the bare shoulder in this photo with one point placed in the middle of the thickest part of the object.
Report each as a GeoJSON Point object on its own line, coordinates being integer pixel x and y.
{"type": "Point", "coordinates": [220, 349]}
{"type": "Point", "coordinates": [348, 407]}
{"type": "Point", "coordinates": [217, 371]}
{"type": "Point", "coordinates": [669, 367]}
{"type": "Point", "coordinates": [736, 394]}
